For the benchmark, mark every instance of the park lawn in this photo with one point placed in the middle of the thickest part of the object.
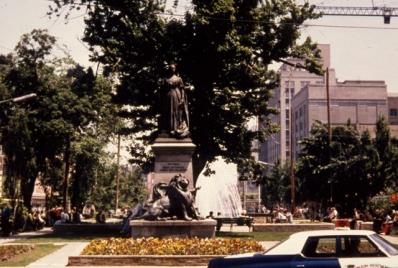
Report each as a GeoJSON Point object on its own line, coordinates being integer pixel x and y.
{"type": "Point", "coordinates": [257, 236]}
{"type": "Point", "coordinates": [57, 238]}
{"type": "Point", "coordinates": [40, 251]}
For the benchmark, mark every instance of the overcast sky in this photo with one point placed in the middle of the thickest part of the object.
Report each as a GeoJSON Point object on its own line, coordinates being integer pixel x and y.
{"type": "Point", "coordinates": [362, 48]}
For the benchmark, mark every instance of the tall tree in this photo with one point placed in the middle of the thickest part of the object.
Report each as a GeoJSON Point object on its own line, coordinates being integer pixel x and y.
{"type": "Point", "coordinates": [222, 50]}
{"type": "Point", "coordinates": [42, 136]}
{"type": "Point", "coordinates": [359, 168]}
{"type": "Point", "coordinates": [276, 186]}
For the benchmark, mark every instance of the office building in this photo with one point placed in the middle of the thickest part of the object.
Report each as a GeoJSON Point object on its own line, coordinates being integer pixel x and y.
{"type": "Point", "coordinates": [303, 97]}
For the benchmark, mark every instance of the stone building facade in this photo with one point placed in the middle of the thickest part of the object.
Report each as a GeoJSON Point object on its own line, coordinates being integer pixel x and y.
{"type": "Point", "coordinates": [303, 97]}
{"type": "Point", "coordinates": [392, 103]}
{"type": "Point", "coordinates": [361, 102]}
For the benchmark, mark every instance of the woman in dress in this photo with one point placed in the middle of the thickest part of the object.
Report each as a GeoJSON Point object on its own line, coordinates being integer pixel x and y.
{"type": "Point", "coordinates": [174, 105]}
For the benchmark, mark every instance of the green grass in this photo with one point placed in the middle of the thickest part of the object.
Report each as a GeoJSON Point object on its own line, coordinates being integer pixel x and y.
{"type": "Point", "coordinates": [257, 236]}
{"type": "Point", "coordinates": [41, 251]}
{"type": "Point", "coordinates": [56, 238]}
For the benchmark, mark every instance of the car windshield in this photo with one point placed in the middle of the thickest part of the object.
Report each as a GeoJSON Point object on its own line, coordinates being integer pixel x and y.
{"type": "Point", "coordinates": [387, 246]}
{"type": "Point", "coordinates": [277, 244]}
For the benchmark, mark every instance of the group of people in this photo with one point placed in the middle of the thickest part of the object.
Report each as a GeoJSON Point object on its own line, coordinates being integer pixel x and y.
{"type": "Point", "coordinates": [62, 215]}
{"type": "Point", "coordinates": [284, 215]}
{"type": "Point", "coordinates": [381, 219]}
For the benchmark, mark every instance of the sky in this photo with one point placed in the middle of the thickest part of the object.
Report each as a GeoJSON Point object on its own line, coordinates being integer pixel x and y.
{"type": "Point", "coordinates": [362, 48]}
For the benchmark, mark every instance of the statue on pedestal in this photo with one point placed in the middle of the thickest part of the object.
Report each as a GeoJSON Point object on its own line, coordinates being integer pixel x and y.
{"type": "Point", "coordinates": [172, 201]}
{"type": "Point", "coordinates": [174, 119]}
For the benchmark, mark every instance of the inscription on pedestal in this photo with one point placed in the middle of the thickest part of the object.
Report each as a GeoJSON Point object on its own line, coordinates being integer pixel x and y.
{"type": "Point", "coordinates": [173, 167]}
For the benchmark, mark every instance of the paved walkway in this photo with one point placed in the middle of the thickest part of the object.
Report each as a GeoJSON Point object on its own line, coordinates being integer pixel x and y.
{"type": "Point", "coordinates": [59, 258]}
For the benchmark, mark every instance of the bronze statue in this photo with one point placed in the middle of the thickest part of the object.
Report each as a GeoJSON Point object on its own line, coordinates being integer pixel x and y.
{"type": "Point", "coordinates": [172, 201]}
{"type": "Point", "coordinates": [174, 105]}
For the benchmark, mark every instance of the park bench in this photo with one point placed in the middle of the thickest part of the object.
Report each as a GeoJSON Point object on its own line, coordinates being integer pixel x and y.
{"type": "Point", "coordinates": [238, 221]}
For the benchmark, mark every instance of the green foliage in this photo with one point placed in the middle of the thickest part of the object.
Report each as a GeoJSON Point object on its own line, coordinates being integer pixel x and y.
{"type": "Point", "coordinates": [131, 184]}
{"type": "Point", "coordinates": [19, 212]}
{"type": "Point", "coordinates": [58, 133]}
{"type": "Point", "coordinates": [276, 186]}
{"type": "Point", "coordinates": [359, 166]}
{"type": "Point", "coordinates": [222, 50]}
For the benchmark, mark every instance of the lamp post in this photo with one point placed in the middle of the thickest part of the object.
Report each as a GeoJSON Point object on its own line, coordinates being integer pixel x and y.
{"type": "Point", "coordinates": [19, 99]}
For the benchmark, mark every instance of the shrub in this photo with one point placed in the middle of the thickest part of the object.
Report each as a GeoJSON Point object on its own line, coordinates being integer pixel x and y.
{"type": "Point", "coordinates": [176, 246]}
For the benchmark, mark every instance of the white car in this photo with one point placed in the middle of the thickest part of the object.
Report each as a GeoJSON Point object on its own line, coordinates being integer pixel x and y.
{"type": "Point", "coordinates": [334, 248]}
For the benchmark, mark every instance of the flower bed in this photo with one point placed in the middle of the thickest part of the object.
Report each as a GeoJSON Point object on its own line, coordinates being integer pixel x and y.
{"type": "Point", "coordinates": [8, 252]}
{"type": "Point", "coordinates": [176, 246]}
{"type": "Point", "coordinates": [160, 252]}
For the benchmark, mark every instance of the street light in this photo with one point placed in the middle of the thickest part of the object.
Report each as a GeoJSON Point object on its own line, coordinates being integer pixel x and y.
{"type": "Point", "coordinates": [19, 99]}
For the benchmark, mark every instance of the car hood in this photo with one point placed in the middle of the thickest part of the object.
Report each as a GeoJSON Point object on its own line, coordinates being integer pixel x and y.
{"type": "Point", "coordinates": [251, 254]}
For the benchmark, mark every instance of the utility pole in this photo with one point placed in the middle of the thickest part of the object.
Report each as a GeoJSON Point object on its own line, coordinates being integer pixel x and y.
{"type": "Point", "coordinates": [329, 129]}
{"type": "Point", "coordinates": [117, 173]}
{"type": "Point", "coordinates": [292, 158]}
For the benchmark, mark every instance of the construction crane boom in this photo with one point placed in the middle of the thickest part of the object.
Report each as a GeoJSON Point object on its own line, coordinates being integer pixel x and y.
{"type": "Point", "coordinates": [358, 11]}
{"type": "Point", "coordinates": [385, 12]}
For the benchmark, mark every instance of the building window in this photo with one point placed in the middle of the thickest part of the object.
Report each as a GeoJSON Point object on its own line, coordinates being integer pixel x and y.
{"type": "Point", "coordinates": [289, 87]}
{"type": "Point", "coordinates": [287, 101]}
{"type": "Point", "coordinates": [303, 84]}
{"type": "Point", "coordinates": [287, 134]}
{"type": "Point", "coordinates": [301, 126]}
{"type": "Point", "coordinates": [301, 112]}
{"type": "Point", "coordinates": [296, 114]}
{"type": "Point", "coordinates": [287, 154]}
{"type": "Point", "coordinates": [393, 112]}
{"type": "Point", "coordinates": [287, 124]}
{"type": "Point", "coordinates": [287, 113]}
{"type": "Point", "coordinates": [287, 143]}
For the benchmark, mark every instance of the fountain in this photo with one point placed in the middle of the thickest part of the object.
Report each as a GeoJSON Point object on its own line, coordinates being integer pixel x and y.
{"type": "Point", "coordinates": [219, 192]}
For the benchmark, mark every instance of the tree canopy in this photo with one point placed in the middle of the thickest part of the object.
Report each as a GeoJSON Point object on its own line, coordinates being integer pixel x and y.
{"type": "Point", "coordinates": [222, 50]}
{"type": "Point", "coordinates": [59, 131]}
{"type": "Point", "coordinates": [360, 166]}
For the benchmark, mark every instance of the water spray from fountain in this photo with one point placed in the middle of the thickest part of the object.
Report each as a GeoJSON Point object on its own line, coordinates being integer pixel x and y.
{"type": "Point", "coordinates": [219, 192]}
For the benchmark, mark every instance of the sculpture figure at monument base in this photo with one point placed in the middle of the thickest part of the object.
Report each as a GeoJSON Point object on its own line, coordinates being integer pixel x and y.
{"type": "Point", "coordinates": [172, 201]}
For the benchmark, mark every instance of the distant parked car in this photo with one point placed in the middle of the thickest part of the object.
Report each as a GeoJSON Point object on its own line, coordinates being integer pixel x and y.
{"type": "Point", "coordinates": [333, 248]}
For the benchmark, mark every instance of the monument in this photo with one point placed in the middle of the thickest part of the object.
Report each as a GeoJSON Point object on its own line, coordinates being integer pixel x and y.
{"type": "Point", "coordinates": [172, 211]}
{"type": "Point", "coordinates": [173, 148]}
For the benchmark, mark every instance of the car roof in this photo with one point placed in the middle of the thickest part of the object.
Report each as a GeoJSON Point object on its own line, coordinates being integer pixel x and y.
{"type": "Point", "coordinates": [295, 243]}
{"type": "Point", "coordinates": [337, 231]}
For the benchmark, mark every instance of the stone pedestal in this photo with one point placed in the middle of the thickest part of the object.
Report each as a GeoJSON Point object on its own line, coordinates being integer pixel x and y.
{"type": "Point", "coordinates": [173, 228]}
{"type": "Point", "coordinates": [173, 157]}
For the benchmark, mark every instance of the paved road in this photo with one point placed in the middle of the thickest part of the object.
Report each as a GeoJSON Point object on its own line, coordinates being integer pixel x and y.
{"type": "Point", "coordinates": [59, 258]}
